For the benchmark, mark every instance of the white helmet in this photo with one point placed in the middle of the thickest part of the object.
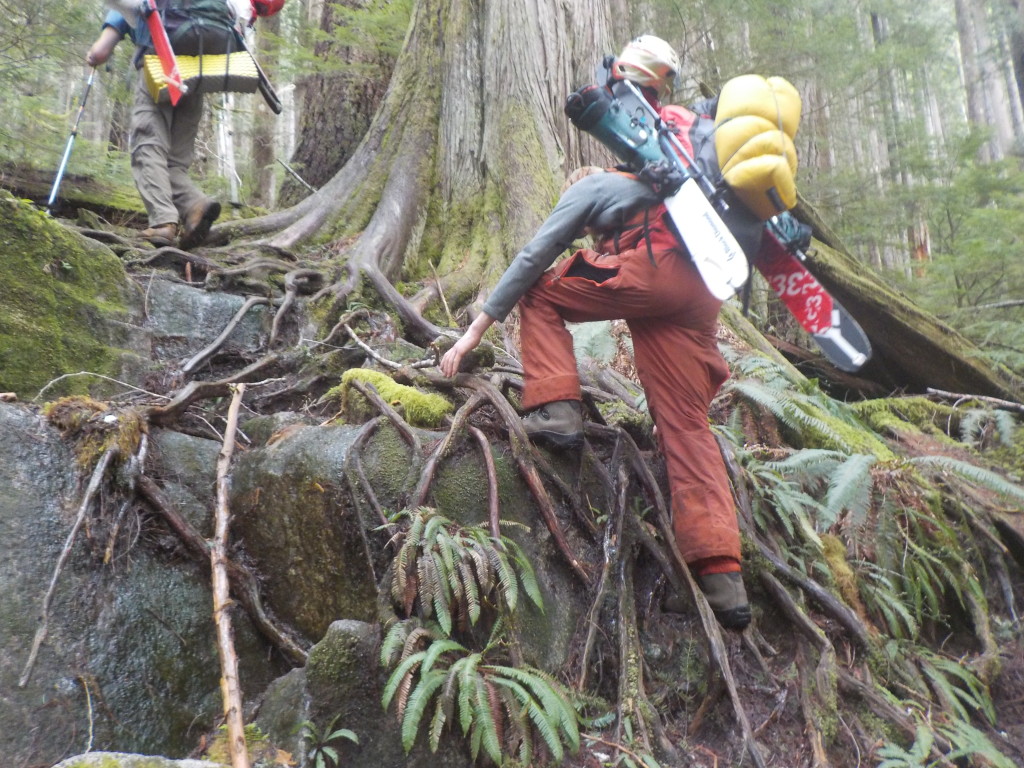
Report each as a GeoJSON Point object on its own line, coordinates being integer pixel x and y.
{"type": "Point", "coordinates": [648, 61]}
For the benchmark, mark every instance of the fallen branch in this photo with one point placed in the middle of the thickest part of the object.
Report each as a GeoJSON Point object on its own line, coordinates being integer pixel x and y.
{"type": "Point", "coordinates": [205, 390]}
{"type": "Point", "coordinates": [230, 687]}
{"type": "Point", "coordinates": [245, 585]}
{"type": "Point", "coordinates": [1005, 405]}
{"type": "Point", "coordinates": [44, 615]}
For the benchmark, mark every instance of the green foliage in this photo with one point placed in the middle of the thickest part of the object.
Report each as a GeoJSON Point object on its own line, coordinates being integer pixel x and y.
{"type": "Point", "coordinates": [451, 572]}
{"type": "Point", "coordinates": [421, 409]}
{"type": "Point", "coordinates": [322, 752]}
{"type": "Point", "coordinates": [448, 573]}
{"type": "Point", "coordinates": [499, 708]}
{"type": "Point", "coordinates": [813, 418]}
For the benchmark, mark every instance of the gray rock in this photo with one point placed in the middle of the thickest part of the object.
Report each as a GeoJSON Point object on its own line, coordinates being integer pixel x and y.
{"type": "Point", "coordinates": [124, 760]}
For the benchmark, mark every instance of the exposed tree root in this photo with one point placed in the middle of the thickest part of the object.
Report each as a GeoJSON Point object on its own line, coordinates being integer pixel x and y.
{"type": "Point", "coordinates": [354, 465]}
{"type": "Point", "coordinates": [205, 354]}
{"type": "Point", "coordinates": [296, 282]}
{"type": "Point", "coordinates": [98, 475]}
{"type": "Point", "coordinates": [245, 584]}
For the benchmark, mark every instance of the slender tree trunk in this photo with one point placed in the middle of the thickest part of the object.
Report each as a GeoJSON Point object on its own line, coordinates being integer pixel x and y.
{"type": "Point", "coordinates": [337, 107]}
{"type": "Point", "coordinates": [265, 126]}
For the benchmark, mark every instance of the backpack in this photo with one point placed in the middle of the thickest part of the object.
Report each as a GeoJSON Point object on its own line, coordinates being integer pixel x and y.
{"type": "Point", "coordinates": [199, 27]}
{"type": "Point", "coordinates": [755, 124]}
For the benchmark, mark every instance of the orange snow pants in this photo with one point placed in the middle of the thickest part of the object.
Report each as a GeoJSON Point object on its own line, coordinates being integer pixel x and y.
{"type": "Point", "coordinates": [672, 318]}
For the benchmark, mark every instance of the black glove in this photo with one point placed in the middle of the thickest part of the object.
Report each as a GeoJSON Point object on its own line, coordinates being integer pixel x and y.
{"type": "Point", "coordinates": [791, 232]}
{"type": "Point", "coordinates": [664, 177]}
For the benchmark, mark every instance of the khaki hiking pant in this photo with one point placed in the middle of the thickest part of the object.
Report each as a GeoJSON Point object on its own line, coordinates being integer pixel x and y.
{"type": "Point", "coordinates": [672, 318]}
{"type": "Point", "coordinates": [162, 142]}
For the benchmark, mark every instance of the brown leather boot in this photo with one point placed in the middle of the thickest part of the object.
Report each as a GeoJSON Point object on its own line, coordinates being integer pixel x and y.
{"type": "Point", "coordinates": [197, 223]}
{"type": "Point", "coordinates": [160, 235]}
{"type": "Point", "coordinates": [559, 423]}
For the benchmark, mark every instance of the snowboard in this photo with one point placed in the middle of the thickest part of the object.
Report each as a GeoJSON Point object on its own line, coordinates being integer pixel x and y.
{"type": "Point", "coordinates": [835, 332]}
{"type": "Point", "coordinates": [162, 45]}
{"type": "Point", "coordinates": [718, 257]}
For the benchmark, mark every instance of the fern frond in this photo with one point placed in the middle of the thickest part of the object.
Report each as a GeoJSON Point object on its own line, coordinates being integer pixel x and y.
{"type": "Point", "coordinates": [469, 589]}
{"type": "Point", "coordinates": [527, 576]}
{"type": "Point", "coordinates": [983, 477]}
{"type": "Point", "coordinates": [417, 704]}
{"type": "Point", "coordinates": [544, 722]}
{"type": "Point", "coordinates": [554, 700]}
{"type": "Point", "coordinates": [436, 650]}
{"type": "Point", "coordinates": [850, 489]}
{"type": "Point", "coordinates": [437, 724]}
{"type": "Point", "coordinates": [484, 722]}
{"type": "Point", "coordinates": [467, 686]}
{"type": "Point", "coordinates": [405, 669]}
{"type": "Point", "coordinates": [394, 639]}
{"type": "Point", "coordinates": [506, 577]}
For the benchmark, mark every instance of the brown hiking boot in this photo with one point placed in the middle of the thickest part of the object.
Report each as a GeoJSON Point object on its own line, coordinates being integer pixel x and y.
{"type": "Point", "coordinates": [197, 223]}
{"type": "Point", "coordinates": [727, 598]}
{"type": "Point", "coordinates": [559, 423]}
{"type": "Point", "coordinates": [161, 235]}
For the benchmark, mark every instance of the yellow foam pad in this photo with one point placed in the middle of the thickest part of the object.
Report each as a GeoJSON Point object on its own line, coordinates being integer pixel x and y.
{"type": "Point", "coordinates": [773, 98]}
{"type": "Point", "coordinates": [770, 174]}
{"type": "Point", "coordinates": [204, 74]}
{"type": "Point", "coordinates": [774, 143]}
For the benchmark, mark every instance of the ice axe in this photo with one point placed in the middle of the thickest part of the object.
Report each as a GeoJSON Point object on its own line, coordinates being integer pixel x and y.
{"type": "Point", "coordinates": [71, 140]}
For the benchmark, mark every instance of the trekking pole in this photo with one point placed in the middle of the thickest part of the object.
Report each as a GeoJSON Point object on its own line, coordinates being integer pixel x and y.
{"type": "Point", "coordinates": [71, 140]}
{"type": "Point", "coordinates": [298, 178]}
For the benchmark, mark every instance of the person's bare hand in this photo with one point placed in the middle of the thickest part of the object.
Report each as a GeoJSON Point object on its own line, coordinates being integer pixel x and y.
{"type": "Point", "coordinates": [470, 339]}
{"type": "Point", "coordinates": [453, 357]}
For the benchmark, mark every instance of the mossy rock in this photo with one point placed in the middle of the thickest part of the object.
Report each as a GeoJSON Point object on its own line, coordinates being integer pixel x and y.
{"type": "Point", "coordinates": [420, 409]}
{"type": "Point", "coordinates": [66, 305]}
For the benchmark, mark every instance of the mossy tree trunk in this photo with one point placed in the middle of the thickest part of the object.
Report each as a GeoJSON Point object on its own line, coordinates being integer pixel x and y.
{"type": "Point", "coordinates": [469, 144]}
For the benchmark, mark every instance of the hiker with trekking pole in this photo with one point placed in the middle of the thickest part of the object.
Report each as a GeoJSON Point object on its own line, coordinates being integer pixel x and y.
{"type": "Point", "coordinates": [204, 36]}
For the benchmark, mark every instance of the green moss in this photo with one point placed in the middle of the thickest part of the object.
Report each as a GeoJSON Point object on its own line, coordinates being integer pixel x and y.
{"type": "Point", "coordinates": [420, 409]}
{"type": "Point", "coordinates": [897, 415]}
{"type": "Point", "coordinates": [65, 299]}
{"type": "Point", "coordinates": [256, 743]}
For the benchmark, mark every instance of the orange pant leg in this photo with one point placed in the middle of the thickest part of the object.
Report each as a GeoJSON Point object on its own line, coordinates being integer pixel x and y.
{"type": "Point", "coordinates": [672, 318]}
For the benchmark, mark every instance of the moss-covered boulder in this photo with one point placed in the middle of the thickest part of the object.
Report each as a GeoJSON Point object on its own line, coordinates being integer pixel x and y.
{"type": "Point", "coordinates": [66, 305]}
{"type": "Point", "coordinates": [342, 683]}
{"type": "Point", "coordinates": [295, 519]}
{"type": "Point", "coordinates": [129, 660]}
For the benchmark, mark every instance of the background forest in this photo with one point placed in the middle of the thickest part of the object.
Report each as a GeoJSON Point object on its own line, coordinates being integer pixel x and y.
{"type": "Point", "coordinates": [433, 132]}
{"type": "Point", "coordinates": [909, 146]}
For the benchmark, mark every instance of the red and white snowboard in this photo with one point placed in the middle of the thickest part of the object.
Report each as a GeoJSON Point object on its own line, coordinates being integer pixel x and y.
{"type": "Point", "coordinates": [838, 335]}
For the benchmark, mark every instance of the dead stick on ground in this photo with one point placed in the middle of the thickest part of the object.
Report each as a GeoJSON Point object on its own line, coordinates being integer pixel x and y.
{"type": "Point", "coordinates": [83, 508]}
{"type": "Point", "coordinates": [1006, 405]}
{"type": "Point", "coordinates": [230, 688]}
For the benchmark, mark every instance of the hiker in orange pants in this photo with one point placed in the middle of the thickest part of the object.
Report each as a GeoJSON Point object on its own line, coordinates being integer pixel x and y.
{"type": "Point", "coordinates": [638, 271]}
{"type": "Point", "coordinates": [672, 319]}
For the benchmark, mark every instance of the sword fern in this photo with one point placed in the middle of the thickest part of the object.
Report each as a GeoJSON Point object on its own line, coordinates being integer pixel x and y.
{"type": "Point", "coordinates": [444, 575]}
